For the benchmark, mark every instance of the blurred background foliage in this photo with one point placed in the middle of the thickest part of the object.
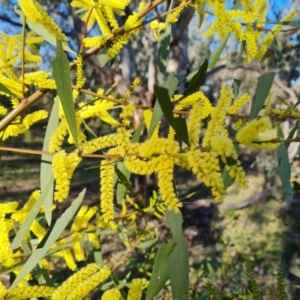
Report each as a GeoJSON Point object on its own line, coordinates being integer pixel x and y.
{"type": "Point", "coordinates": [256, 225]}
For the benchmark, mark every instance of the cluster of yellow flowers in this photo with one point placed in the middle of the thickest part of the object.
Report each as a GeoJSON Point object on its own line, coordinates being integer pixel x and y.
{"type": "Point", "coordinates": [78, 286]}
{"type": "Point", "coordinates": [160, 155]}
{"type": "Point", "coordinates": [158, 27]}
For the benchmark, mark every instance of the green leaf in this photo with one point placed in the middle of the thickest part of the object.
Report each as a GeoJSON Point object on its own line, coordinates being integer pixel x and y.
{"type": "Point", "coordinates": [41, 30]}
{"type": "Point", "coordinates": [284, 170]}
{"type": "Point", "coordinates": [121, 187]}
{"type": "Point", "coordinates": [196, 80]}
{"type": "Point", "coordinates": [4, 89]}
{"type": "Point", "coordinates": [58, 228]}
{"type": "Point", "coordinates": [123, 178]}
{"type": "Point", "coordinates": [62, 78]}
{"type": "Point", "coordinates": [179, 262]}
{"type": "Point", "coordinates": [160, 273]}
{"type": "Point", "coordinates": [227, 179]}
{"type": "Point", "coordinates": [291, 134]}
{"type": "Point", "coordinates": [205, 295]}
{"type": "Point", "coordinates": [137, 134]}
{"type": "Point", "coordinates": [103, 57]}
{"type": "Point", "coordinates": [178, 124]}
{"type": "Point", "coordinates": [163, 52]}
{"type": "Point", "coordinates": [31, 216]}
{"type": "Point", "coordinates": [201, 13]}
{"type": "Point", "coordinates": [277, 49]}
{"type": "Point", "coordinates": [236, 86]}
{"type": "Point", "coordinates": [46, 165]}
{"type": "Point", "coordinates": [262, 90]}
{"type": "Point", "coordinates": [170, 85]}
{"type": "Point", "coordinates": [147, 244]}
{"type": "Point", "coordinates": [295, 270]}
{"type": "Point", "coordinates": [217, 53]}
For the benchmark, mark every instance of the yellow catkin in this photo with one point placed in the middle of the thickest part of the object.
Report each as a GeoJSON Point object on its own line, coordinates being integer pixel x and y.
{"type": "Point", "coordinates": [112, 294]}
{"type": "Point", "coordinates": [216, 124]}
{"type": "Point", "coordinates": [135, 290]}
{"type": "Point", "coordinates": [255, 131]}
{"type": "Point", "coordinates": [107, 185]}
{"type": "Point", "coordinates": [63, 291]}
{"type": "Point", "coordinates": [84, 287]}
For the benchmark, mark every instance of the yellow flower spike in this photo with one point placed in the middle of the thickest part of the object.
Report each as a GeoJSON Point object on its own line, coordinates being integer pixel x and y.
{"type": "Point", "coordinates": [21, 214]}
{"type": "Point", "coordinates": [63, 167]}
{"type": "Point", "coordinates": [194, 98]}
{"type": "Point", "coordinates": [255, 131]}
{"type": "Point", "coordinates": [107, 171]}
{"type": "Point", "coordinates": [63, 291]}
{"type": "Point", "coordinates": [240, 102]}
{"type": "Point", "coordinates": [223, 146]}
{"type": "Point", "coordinates": [79, 217]}
{"type": "Point", "coordinates": [193, 124]}
{"type": "Point", "coordinates": [84, 287]}
{"type": "Point", "coordinates": [237, 125]}
{"type": "Point", "coordinates": [100, 143]}
{"type": "Point", "coordinates": [8, 208]}
{"type": "Point", "coordinates": [29, 292]}
{"type": "Point", "coordinates": [38, 230]}
{"type": "Point", "coordinates": [30, 11]}
{"type": "Point", "coordinates": [93, 238]}
{"type": "Point", "coordinates": [136, 287]}
{"type": "Point", "coordinates": [173, 16]}
{"type": "Point", "coordinates": [68, 258]}
{"type": "Point", "coordinates": [3, 110]}
{"type": "Point", "coordinates": [80, 79]}
{"type": "Point", "coordinates": [12, 130]}
{"type": "Point", "coordinates": [131, 26]}
{"type": "Point", "coordinates": [40, 79]}
{"type": "Point", "coordinates": [138, 166]}
{"type": "Point", "coordinates": [34, 117]}
{"type": "Point", "coordinates": [7, 258]}
{"type": "Point", "coordinates": [58, 136]}
{"type": "Point", "coordinates": [206, 167]}
{"type": "Point", "coordinates": [35, 13]}
{"type": "Point", "coordinates": [102, 13]}
{"type": "Point", "coordinates": [218, 115]}
{"type": "Point", "coordinates": [14, 86]}
{"type": "Point", "coordinates": [78, 251]}
{"type": "Point", "coordinates": [158, 146]}
{"type": "Point", "coordinates": [112, 294]}
{"type": "Point", "coordinates": [165, 183]}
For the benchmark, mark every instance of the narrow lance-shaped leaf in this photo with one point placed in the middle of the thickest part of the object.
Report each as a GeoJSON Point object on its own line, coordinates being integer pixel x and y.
{"type": "Point", "coordinates": [277, 50]}
{"type": "Point", "coordinates": [196, 80]}
{"type": "Point", "coordinates": [61, 71]}
{"type": "Point", "coordinates": [170, 85]}
{"type": "Point", "coordinates": [284, 170]}
{"type": "Point", "coordinates": [217, 53]}
{"type": "Point", "coordinates": [179, 262]}
{"type": "Point", "coordinates": [4, 89]}
{"type": "Point", "coordinates": [263, 88]}
{"type": "Point", "coordinates": [178, 124]}
{"type": "Point", "coordinates": [236, 86]}
{"type": "Point", "coordinates": [58, 228]}
{"type": "Point", "coordinates": [163, 51]}
{"type": "Point", "coordinates": [160, 273]}
{"type": "Point", "coordinates": [46, 165]}
{"type": "Point", "coordinates": [31, 216]}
